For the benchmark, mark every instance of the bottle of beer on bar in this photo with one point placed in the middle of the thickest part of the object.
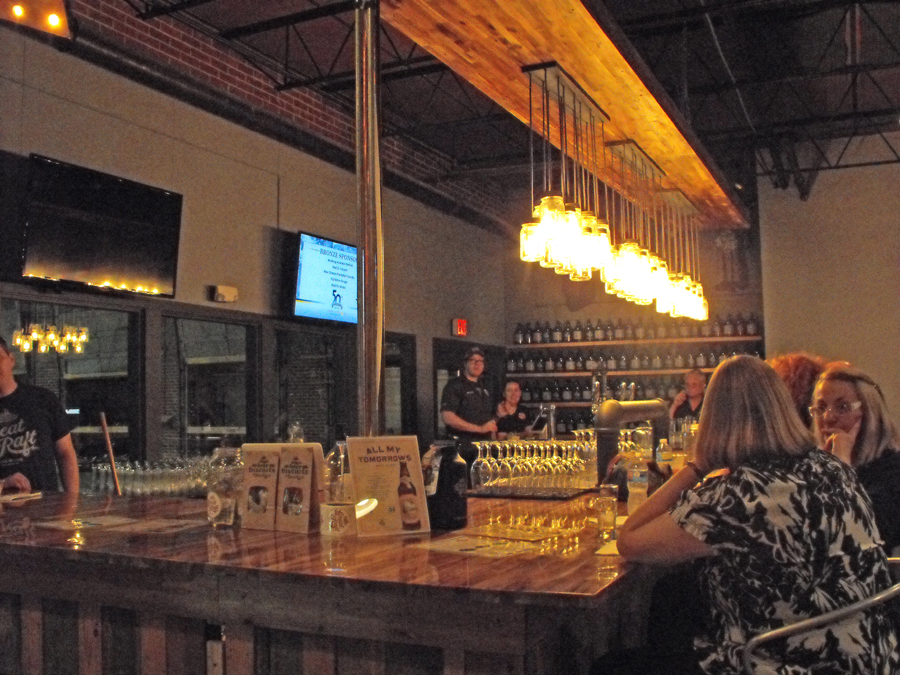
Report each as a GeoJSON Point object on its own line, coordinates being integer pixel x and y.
{"type": "Point", "coordinates": [447, 508]}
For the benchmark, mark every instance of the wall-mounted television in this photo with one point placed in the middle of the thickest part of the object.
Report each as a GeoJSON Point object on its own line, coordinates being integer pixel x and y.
{"type": "Point", "coordinates": [324, 279]}
{"type": "Point", "coordinates": [99, 231]}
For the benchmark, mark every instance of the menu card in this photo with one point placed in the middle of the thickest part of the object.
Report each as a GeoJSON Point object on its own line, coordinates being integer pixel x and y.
{"type": "Point", "coordinates": [297, 508]}
{"type": "Point", "coordinates": [387, 471]}
{"type": "Point", "coordinates": [258, 494]}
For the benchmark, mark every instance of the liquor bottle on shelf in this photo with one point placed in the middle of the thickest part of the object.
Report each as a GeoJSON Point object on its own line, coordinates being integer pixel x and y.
{"type": "Point", "coordinates": [629, 331]}
{"type": "Point", "coordinates": [549, 362]}
{"type": "Point", "coordinates": [519, 334]}
{"type": "Point", "coordinates": [537, 335]}
{"type": "Point", "coordinates": [586, 390]}
{"type": "Point", "coordinates": [721, 357]}
{"type": "Point", "coordinates": [650, 389]}
{"type": "Point", "coordinates": [611, 362]}
{"type": "Point", "coordinates": [556, 334]}
{"type": "Point", "coordinates": [590, 363]}
{"type": "Point", "coordinates": [639, 332]}
{"type": "Point", "coordinates": [511, 363]}
{"type": "Point", "coordinates": [645, 361]}
{"type": "Point", "coordinates": [668, 364]}
{"type": "Point", "coordinates": [635, 362]}
{"type": "Point", "coordinates": [711, 359]}
{"type": "Point", "coordinates": [576, 391]}
{"type": "Point", "coordinates": [545, 332]}
{"type": "Point", "coordinates": [561, 425]}
{"type": "Point", "coordinates": [546, 393]}
{"type": "Point", "coordinates": [579, 362]}
{"type": "Point", "coordinates": [570, 363]}
{"type": "Point", "coordinates": [706, 329]}
{"type": "Point", "coordinates": [529, 363]}
{"type": "Point", "coordinates": [678, 362]}
{"type": "Point", "coordinates": [619, 330]}
{"type": "Point", "coordinates": [567, 332]}
{"type": "Point", "coordinates": [740, 326]}
{"type": "Point", "coordinates": [684, 330]}
{"type": "Point", "coordinates": [610, 331]}
{"type": "Point", "coordinates": [623, 362]}
{"type": "Point", "coordinates": [578, 332]}
{"type": "Point", "coordinates": [639, 392]}
{"type": "Point", "coordinates": [520, 364]}
{"type": "Point", "coordinates": [717, 327]}
{"type": "Point", "coordinates": [650, 331]}
{"type": "Point", "coordinates": [700, 361]}
{"type": "Point", "coordinates": [526, 394]}
{"type": "Point", "coordinates": [560, 364]}
{"type": "Point", "coordinates": [661, 332]}
{"type": "Point", "coordinates": [728, 327]}
{"type": "Point", "coordinates": [555, 392]}
{"type": "Point", "coordinates": [752, 325]}
{"type": "Point", "coordinates": [694, 329]}
{"type": "Point", "coordinates": [690, 361]}
{"type": "Point", "coordinates": [656, 362]}
{"type": "Point", "coordinates": [526, 334]}
{"type": "Point", "coordinates": [566, 393]}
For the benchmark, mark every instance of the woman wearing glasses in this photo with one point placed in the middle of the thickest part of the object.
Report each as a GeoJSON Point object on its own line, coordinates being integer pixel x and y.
{"type": "Point", "coordinates": [851, 421]}
{"type": "Point", "coordinates": [787, 533]}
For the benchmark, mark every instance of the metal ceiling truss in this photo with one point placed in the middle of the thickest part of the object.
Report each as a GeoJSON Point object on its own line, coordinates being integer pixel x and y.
{"type": "Point", "coordinates": [320, 71]}
{"type": "Point", "coordinates": [796, 113]}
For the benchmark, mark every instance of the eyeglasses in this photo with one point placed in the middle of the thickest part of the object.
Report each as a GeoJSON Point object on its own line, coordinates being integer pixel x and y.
{"type": "Point", "coordinates": [473, 360]}
{"type": "Point", "coordinates": [839, 409]}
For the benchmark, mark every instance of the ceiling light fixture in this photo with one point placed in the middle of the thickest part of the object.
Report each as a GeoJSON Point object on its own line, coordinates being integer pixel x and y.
{"type": "Point", "coordinates": [47, 16]}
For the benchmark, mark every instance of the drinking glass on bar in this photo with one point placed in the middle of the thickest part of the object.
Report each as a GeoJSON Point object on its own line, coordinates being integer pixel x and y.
{"type": "Point", "coordinates": [607, 504]}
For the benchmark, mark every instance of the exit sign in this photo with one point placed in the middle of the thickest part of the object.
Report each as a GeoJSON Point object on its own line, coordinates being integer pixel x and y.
{"type": "Point", "coordinates": [460, 327]}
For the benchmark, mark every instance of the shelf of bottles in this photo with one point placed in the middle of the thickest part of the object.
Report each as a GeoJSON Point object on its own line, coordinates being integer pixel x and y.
{"type": "Point", "coordinates": [555, 364]}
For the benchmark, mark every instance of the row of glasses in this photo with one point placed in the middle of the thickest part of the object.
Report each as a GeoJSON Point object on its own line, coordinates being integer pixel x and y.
{"type": "Point", "coordinates": [175, 477]}
{"type": "Point", "coordinates": [530, 468]}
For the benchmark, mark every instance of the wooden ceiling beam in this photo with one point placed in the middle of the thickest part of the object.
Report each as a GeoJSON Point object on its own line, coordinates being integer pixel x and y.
{"type": "Point", "coordinates": [489, 43]}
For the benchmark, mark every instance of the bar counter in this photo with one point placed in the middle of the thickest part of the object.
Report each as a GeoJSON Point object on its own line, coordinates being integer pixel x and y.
{"type": "Point", "coordinates": [130, 602]}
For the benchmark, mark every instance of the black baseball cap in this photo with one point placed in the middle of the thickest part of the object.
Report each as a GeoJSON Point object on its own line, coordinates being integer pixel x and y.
{"type": "Point", "coordinates": [472, 352]}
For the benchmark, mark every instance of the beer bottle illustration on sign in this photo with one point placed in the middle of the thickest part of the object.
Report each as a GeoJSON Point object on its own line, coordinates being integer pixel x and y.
{"type": "Point", "coordinates": [409, 504]}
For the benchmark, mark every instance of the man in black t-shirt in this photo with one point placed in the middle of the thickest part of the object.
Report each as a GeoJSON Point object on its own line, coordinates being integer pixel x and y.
{"type": "Point", "coordinates": [467, 408]}
{"type": "Point", "coordinates": [35, 444]}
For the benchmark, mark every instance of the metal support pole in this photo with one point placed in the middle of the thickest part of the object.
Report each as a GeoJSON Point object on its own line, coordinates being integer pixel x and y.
{"type": "Point", "coordinates": [370, 357]}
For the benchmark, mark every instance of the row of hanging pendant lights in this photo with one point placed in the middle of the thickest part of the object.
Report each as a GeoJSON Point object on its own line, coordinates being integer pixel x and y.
{"type": "Point", "coordinates": [644, 245]}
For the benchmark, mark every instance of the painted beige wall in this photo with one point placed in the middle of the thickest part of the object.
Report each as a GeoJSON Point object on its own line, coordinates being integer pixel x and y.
{"type": "Point", "coordinates": [239, 188]}
{"type": "Point", "coordinates": [831, 266]}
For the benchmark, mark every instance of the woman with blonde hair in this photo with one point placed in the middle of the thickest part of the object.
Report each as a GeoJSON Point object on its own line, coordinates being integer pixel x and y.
{"type": "Point", "coordinates": [851, 421]}
{"type": "Point", "coordinates": [783, 534]}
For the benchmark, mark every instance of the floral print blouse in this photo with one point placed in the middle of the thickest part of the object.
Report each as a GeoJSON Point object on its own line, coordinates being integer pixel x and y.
{"type": "Point", "coordinates": [794, 537]}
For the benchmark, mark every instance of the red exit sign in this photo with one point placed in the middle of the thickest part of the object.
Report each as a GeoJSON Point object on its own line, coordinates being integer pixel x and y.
{"type": "Point", "coordinates": [460, 327]}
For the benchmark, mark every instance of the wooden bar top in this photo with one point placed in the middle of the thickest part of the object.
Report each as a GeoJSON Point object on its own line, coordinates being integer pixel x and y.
{"type": "Point", "coordinates": [561, 569]}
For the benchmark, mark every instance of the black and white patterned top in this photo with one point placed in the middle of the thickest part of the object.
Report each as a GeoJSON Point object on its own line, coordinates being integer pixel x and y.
{"type": "Point", "coordinates": [794, 538]}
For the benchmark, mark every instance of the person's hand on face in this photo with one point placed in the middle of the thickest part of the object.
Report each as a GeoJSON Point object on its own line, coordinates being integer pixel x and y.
{"type": "Point", "coordinates": [840, 443]}
{"type": "Point", "coordinates": [680, 398]}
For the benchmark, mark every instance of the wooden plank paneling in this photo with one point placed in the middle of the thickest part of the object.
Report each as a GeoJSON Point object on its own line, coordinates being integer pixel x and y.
{"type": "Point", "coordinates": [488, 43]}
{"type": "Point", "coordinates": [185, 646]}
{"type": "Point", "coordinates": [404, 659]}
{"type": "Point", "coordinates": [90, 639]}
{"type": "Point", "coordinates": [32, 636]}
{"type": "Point", "coordinates": [119, 635]}
{"type": "Point", "coordinates": [153, 644]}
{"type": "Point", "coordinates": [318, 655]}
{"type": "Point", "coordinates": [60, 636]}
{"type": "Point", "coordinates": [360, 657]}
{"type": "Point", "coordinates": [10, 634]}
{"type": "Point", "coordinates": [239, 649]}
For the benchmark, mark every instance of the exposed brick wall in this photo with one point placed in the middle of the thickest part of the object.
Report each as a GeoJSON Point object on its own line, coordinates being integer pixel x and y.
{"type": "Point", "coordinates": [179, 47]}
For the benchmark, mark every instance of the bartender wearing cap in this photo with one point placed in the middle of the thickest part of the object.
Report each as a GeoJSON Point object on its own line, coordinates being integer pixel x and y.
{"type": "Point", "coordinates": [467, 408]}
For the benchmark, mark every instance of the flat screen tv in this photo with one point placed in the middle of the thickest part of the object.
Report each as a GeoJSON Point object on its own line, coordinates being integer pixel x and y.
{"type": "Point", "coordinates": [99, 231]}
{"type": "Point", "coordinates": [325, 281]}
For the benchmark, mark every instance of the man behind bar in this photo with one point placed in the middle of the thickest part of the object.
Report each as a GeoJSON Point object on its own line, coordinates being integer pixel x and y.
{"type": "Point", "coordinates": [467, 408]}
{"type": "Point", "coordinates": [35, 444]}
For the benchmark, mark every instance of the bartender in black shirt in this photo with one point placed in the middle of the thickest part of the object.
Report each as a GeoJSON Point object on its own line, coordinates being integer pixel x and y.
{"type": "Point", "coordinates": [467, 407]}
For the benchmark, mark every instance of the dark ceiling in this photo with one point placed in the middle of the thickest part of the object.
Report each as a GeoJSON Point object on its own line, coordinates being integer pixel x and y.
{"type": "Point", "coordinates": [767, 85]}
